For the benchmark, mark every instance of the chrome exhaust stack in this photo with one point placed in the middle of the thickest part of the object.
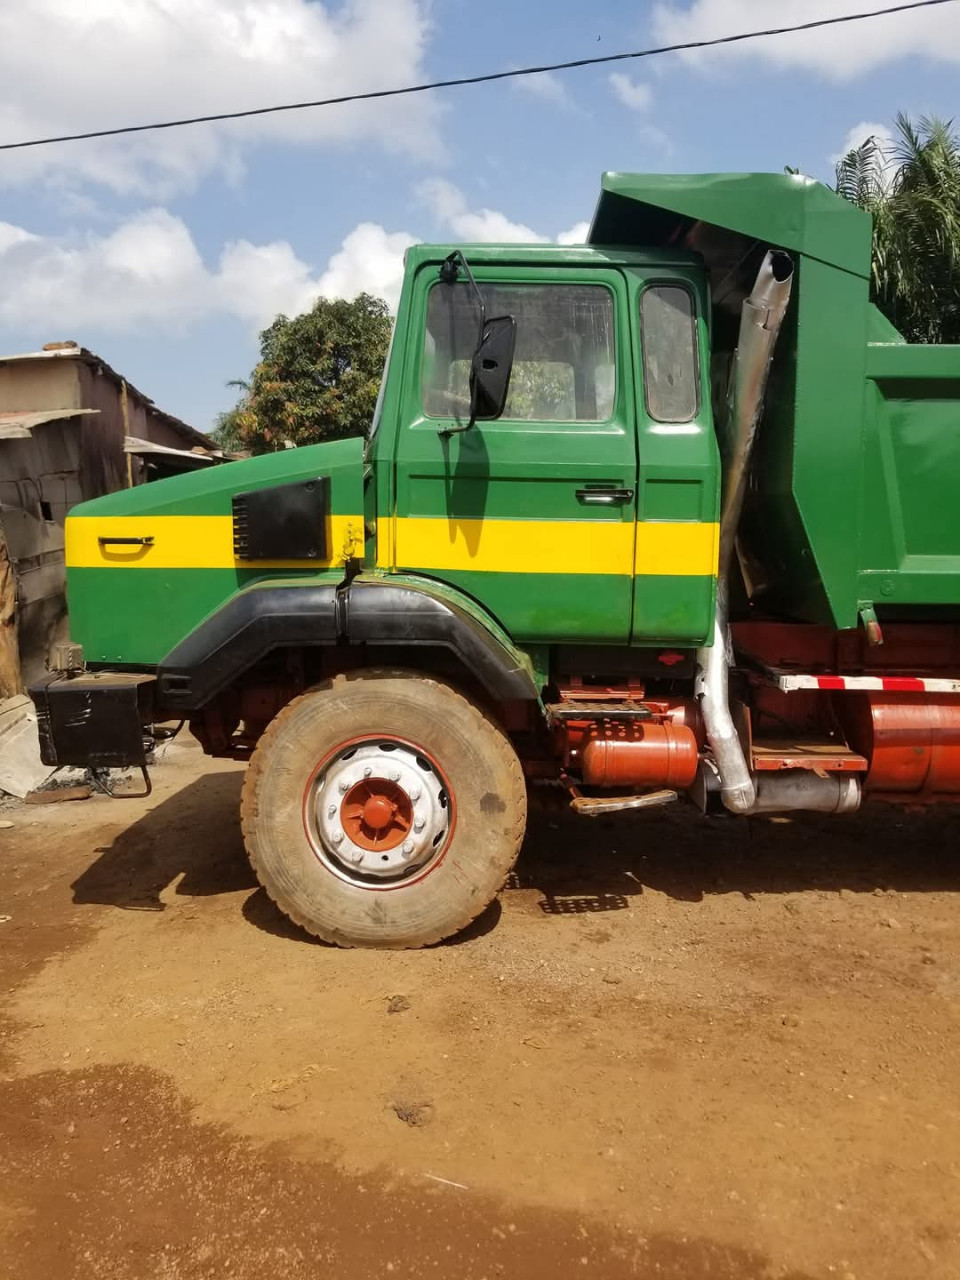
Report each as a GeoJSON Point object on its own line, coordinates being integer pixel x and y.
{"type": "Point", "coordinates": [737, 790]}
{"type": "Point", "coordinates": [760, 323]}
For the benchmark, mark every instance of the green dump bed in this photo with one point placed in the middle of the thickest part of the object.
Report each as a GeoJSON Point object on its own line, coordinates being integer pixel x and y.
{"type": "Point", "coordinates": [855, 496]}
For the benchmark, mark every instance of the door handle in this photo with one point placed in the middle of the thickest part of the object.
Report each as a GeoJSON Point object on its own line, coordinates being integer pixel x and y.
{"type": "Point", "coordinates": [604, 497]}
{"type": "Point", "coordinates": [125, 542]}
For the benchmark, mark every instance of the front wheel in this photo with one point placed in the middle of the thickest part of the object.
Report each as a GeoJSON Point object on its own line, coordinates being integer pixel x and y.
{"type": "Point", "coordinates": [383, 809]}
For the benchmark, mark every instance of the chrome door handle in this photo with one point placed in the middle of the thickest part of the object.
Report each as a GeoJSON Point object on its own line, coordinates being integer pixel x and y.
{"type": "Point", "coordinates": [604, 497]}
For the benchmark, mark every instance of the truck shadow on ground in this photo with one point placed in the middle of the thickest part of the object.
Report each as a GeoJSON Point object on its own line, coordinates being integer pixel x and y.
{"type": "Point", "coordinates": [191, 844]}
{"type": "Point", "coordinates": [191, 840]}
{"type": "Point", "coordinates": [586, 866]}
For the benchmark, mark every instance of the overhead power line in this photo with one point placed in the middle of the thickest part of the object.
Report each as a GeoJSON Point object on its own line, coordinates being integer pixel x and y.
{"type": "Point", "coordinates": [487, 78]}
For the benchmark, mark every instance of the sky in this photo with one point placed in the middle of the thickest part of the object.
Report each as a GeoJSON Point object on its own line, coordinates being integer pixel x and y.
{"type": "Point", "coordinates": [167, 252]}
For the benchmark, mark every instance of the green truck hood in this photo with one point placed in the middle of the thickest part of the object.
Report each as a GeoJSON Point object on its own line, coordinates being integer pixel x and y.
{"type": "Point", "coordinates": [147, 565]}
{"type": "Point", "coordinates": [210, 491]}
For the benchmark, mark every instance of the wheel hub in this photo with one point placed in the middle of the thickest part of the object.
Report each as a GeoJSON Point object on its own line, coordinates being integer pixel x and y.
{"type": "Point", "coordinates": [376, 814]}
{"type": "Point", "coordinates": [380, 811]}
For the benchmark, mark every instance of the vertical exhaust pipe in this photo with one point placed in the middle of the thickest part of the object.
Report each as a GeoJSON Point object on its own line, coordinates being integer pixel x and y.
{"type": "Point", "coordinates": [760, 322]}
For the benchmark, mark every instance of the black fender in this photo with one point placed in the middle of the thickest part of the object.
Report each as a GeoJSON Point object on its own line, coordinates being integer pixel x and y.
{"type": "Point", "coordinates": [261, 619]}
{"type": "Point", "coordinates": [385, 613]}
{"type": "Point", "coordinates": [248, 627]}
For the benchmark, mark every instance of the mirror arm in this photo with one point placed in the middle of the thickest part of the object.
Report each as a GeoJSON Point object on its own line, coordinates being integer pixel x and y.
{"type": "Point", "coordinates": [448, 274]}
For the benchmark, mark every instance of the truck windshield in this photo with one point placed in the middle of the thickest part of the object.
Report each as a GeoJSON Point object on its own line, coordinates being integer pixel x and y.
{"type": "Point", "coordinates": [564, 368]}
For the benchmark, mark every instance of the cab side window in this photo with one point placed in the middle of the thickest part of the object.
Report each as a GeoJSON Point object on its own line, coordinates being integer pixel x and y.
{"type": "Point", "coordinates": [564, 368]}
{"type": "Point", "coordinates": [668, 334]}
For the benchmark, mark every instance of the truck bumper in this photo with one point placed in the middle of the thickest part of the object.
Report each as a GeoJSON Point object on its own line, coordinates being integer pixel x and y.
{"type": "Point", "coordinates": [94, 720]}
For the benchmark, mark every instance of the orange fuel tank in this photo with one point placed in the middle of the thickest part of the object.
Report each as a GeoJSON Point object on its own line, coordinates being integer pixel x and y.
{"type": "Point", "coordinates": [912, 741]}
{"type": "Point", "coordinates": [660, 755]}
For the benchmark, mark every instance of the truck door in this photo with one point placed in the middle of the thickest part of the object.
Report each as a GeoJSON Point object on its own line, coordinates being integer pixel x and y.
{"type": "Point", "coordinates": [678, 490]}
{"type": "Point", "coordinates": [532, 514]}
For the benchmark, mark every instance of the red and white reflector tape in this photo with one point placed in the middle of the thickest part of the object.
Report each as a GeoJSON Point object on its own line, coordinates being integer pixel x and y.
{"type": "Point", "coordinates": [877, 684]}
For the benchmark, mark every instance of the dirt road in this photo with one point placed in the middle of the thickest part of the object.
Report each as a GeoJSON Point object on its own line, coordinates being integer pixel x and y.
{"type": "Point", "coordinates": [672, 1050]}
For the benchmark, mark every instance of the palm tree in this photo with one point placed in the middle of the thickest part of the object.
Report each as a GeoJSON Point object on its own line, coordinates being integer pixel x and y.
{"type": "Point", "coordinates": [912, 188]}
{"type": "Point", "coordinates": [227, 434]}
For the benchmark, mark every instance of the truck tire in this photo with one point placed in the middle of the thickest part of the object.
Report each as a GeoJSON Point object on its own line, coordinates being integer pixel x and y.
{"type": "Point", "coordinates": [383, 809]}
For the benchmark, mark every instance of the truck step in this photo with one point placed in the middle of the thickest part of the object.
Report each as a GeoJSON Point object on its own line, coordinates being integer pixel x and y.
{"type": "Point", "coordinates": [597, 711]}
{"type": "Point", "coordinates": [598, 806]}
{"type": "Point", "coordinates": [823, 756]}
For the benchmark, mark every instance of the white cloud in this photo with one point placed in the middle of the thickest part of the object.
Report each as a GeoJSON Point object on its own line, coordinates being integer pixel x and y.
{"type": "Point", "coordinates": [656, 138]}
{"type": "Point", "coordinates": [838, 52]}
{"type": "Point", "coordinates": [545, 86]}
{"type": "Point", "coordinates": [148, 275]}
{"type": "Point", "coordinates": [69, 66]}
{"type": "Point", "coordinates": [576, 235]}
{"type": "Point", "coordinates": [632, 93]}
{"type": "Point", "coordinates": [370, 260]}
{"type": "Point", "coordinates": [11, 235]}
{"type": "Point", "coordinates": [884, 139]}
{"type": "Point", "coordinates": [449, 206]}
{"type": "Point", "coordinates": [859, 134]}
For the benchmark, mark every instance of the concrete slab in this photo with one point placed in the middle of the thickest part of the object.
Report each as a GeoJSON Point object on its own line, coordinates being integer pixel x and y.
{"type": "Point", "coordinates": [21, 769]}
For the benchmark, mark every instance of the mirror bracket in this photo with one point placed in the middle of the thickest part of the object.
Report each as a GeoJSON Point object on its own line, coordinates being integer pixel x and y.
{"type": "Point", "coordinates": [449, 274]}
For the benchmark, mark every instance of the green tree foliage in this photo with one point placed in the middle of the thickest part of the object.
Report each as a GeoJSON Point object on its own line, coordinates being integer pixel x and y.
{"type": "Point", "coordinates": [227, 434]}
{"type": "Point", "coordinates": [912, 189]}
{"type": "Point", "coordinates": [317, 378]}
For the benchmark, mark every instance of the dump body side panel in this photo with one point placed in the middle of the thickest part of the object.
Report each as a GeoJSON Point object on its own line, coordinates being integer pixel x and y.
{"type": "Point", "coordinates": [910, 545]}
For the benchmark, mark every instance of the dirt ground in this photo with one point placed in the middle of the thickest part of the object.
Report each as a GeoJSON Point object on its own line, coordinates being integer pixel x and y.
{"type": "Point", "coordinates": [673, 1049]}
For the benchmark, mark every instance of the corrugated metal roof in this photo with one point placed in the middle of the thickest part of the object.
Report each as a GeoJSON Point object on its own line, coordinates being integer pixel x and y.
{"type": "Point", "coordinates": [143, 448]}
{"type": "Point", "coordinates": [18, 426]}
{"type": "Point", "coordinates": [73, 351]}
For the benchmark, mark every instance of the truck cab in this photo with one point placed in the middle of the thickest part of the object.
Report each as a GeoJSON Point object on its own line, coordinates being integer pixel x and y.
{"type": "Point", "coordinates": [585, 510]}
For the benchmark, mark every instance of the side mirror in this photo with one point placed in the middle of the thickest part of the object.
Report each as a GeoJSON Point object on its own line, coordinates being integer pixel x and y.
{"type": "Point", "coordinates": [491, 368]}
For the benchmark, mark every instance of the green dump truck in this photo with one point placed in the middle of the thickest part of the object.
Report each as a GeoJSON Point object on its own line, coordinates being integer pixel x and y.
{"type": "Point", "coordinates": [670, 515]}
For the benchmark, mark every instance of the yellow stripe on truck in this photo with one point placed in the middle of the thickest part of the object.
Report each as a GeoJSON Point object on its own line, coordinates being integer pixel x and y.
{"type": "Point", "coordinates": [548, 546]}
{"type": "Point", "coordinates": [677, 548]}
{"type": "Point", "coordinates": [649, 548]}
{"type": "Point", "coordinates": [188, 542]}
